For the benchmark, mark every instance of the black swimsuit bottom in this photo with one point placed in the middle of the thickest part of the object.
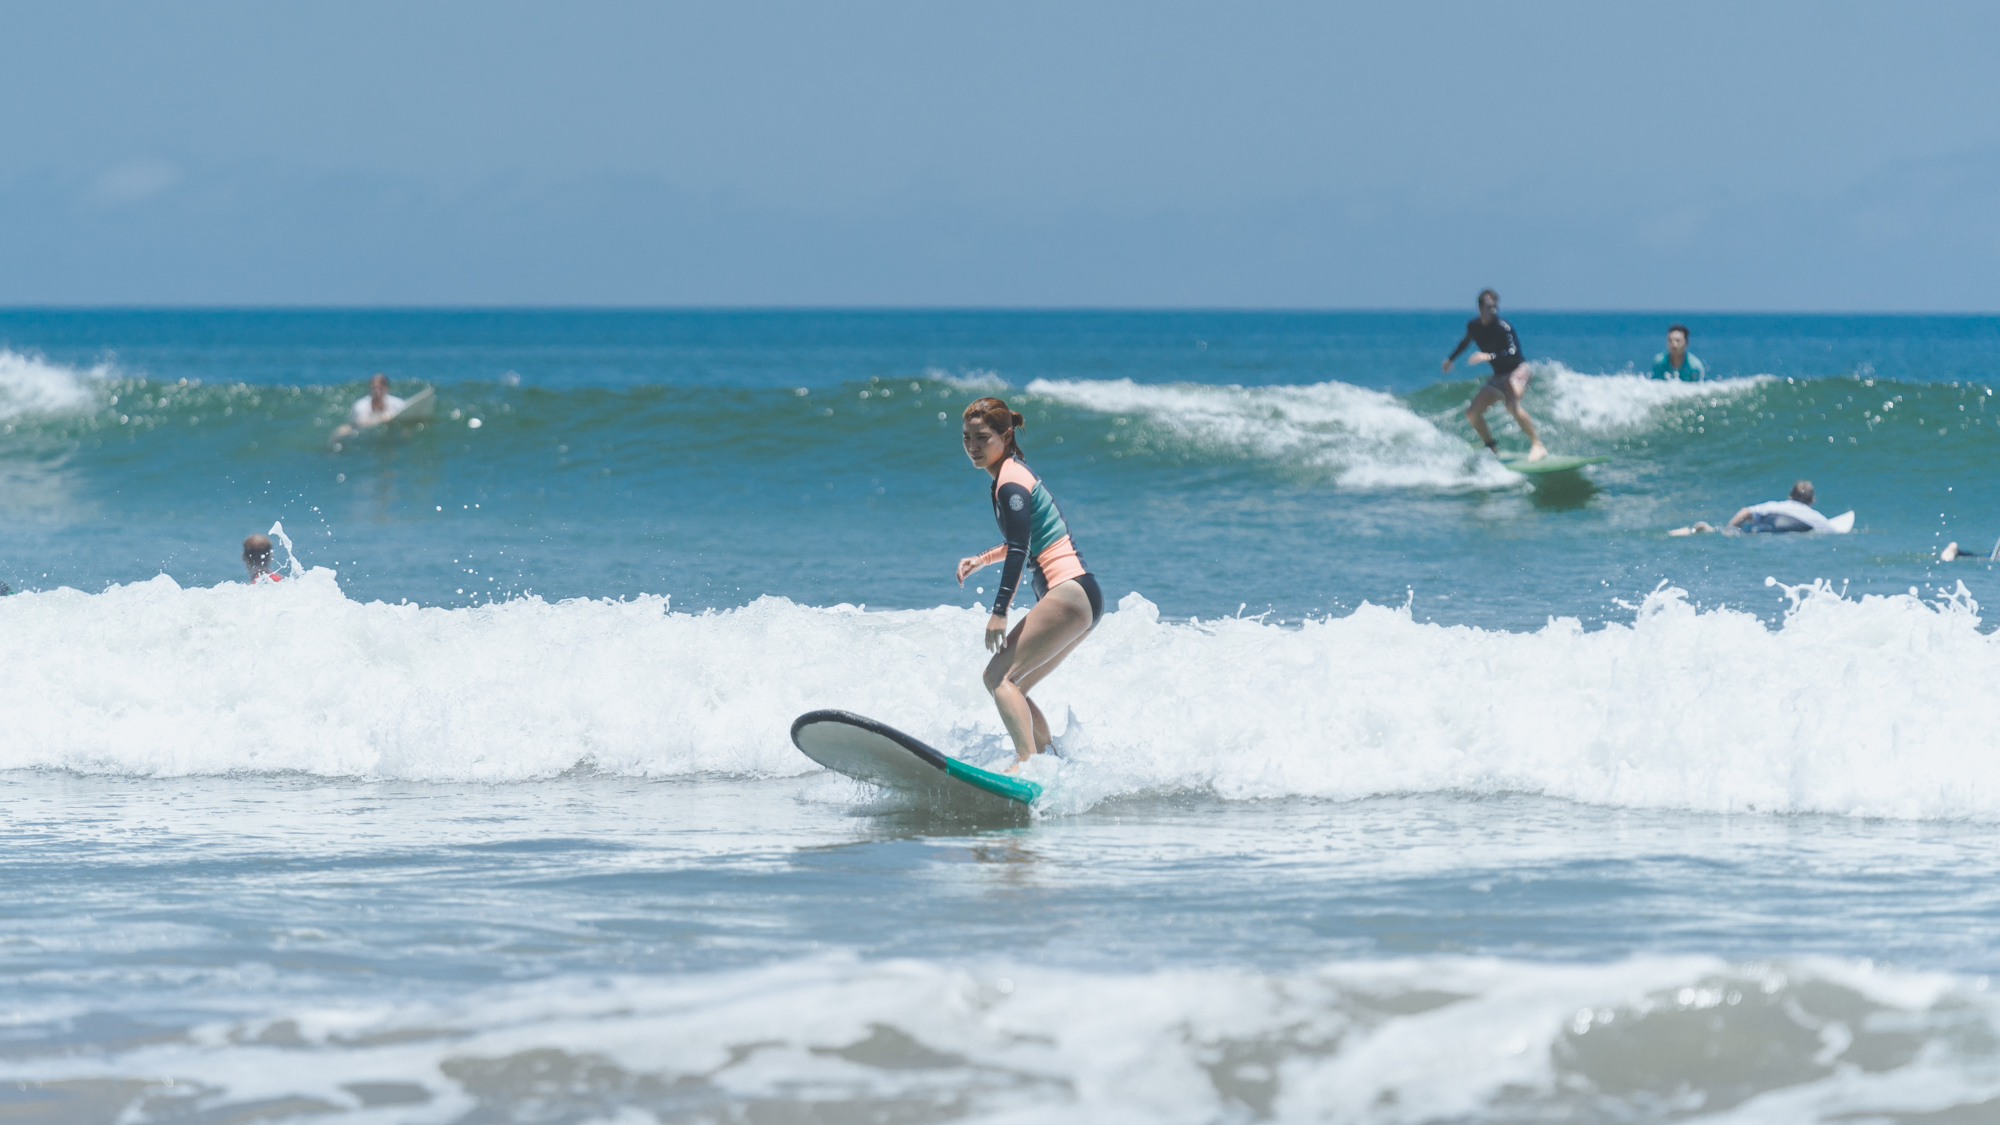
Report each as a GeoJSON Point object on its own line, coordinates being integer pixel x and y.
{"type": "Point", "coordinates": [1086, 580]}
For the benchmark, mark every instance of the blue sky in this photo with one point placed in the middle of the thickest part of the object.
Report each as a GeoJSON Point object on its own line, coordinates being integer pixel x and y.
{"type": "Point", "coordinates": [1694, 156]}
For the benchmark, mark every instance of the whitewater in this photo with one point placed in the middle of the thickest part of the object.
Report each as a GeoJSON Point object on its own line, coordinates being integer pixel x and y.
{"type": "Point", "coordinates": [1858, 707]}
{"type": "Point", "coordinates": [1393, 787]}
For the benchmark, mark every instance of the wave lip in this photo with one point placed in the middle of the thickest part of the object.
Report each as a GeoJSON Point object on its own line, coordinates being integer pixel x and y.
{"type": "Point", "coordinates": [1434, 1039]}
{"type": "Point", "coordinates": [1367, 440]}
{"type": "Point", "coordinates": [30, 384]}
{"type": "Point", "coordinates": [1363, 439]}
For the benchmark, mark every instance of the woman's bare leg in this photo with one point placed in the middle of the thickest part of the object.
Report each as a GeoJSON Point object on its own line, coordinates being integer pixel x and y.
{"type": "Point", "coordinates": [1034, 648]}
{"type": "Point", "coordinates": [1043, 736]}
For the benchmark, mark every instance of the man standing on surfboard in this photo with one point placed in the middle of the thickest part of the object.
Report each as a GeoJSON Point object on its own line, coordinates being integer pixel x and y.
{"type": "Point", "coordinates": [1499, 346]}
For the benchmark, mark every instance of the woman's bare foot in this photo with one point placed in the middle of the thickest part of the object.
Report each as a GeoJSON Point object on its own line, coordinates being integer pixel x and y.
{"type": "Point", "coordinates": [1537, 451]}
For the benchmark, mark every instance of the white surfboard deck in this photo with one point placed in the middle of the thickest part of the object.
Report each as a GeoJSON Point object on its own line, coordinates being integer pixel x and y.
{"type": "Point", "coordinates": [879, 754]}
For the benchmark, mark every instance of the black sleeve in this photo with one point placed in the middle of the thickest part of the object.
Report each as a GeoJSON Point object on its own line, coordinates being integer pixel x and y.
{"type": "Point", "coordinates": [1513, 342]}
{"type": "Point", "coordinates": [1015, 510]}
{"type": "Point", "coordinates": [1462, 341]}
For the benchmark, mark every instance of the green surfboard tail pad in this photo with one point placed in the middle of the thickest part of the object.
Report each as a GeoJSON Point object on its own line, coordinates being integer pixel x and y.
{"type": "Point", "coordinates": [1550, 464]}
{"type": "Point", "coordinates": [879, 754]}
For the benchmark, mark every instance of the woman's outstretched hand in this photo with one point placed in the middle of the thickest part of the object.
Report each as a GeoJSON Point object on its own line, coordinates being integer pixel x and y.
{"type": "Point", "coordinates": [966, 566]}
{"type": "Point", "coordinates": [996, 632]}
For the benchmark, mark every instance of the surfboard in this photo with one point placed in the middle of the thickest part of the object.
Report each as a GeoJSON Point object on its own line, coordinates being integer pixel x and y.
{"type": "Point", "coordinates": [419, 407]}
{"type": "Point", "coordinates": [1550, 464]}
{"type": "Point", "coordinates": [881, 755]}
{"type": "Point", "coordinates": [1844, 523]}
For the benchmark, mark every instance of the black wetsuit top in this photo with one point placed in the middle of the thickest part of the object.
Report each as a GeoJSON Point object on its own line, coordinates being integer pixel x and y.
{"type": "Point", "coordinates": [1498, 340]}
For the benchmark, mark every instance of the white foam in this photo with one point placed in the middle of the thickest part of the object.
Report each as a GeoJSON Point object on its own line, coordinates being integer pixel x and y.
{"type": "Point", "coordinates": [1611, 405]}
{"type": "Point", "coordinates": [975, 379]}
{"type": "Point", "coordinates": [32, 385]}
{"type": "Point", "coordinates": [835, 1038]}
{"type": "Point", "coordinates": [1858, 707]}
{"type": "Point", "coordinates": [1361, 439]}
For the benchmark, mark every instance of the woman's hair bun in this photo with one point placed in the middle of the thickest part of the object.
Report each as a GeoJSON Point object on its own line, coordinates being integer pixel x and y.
{"type": "Point", "coordinates": [1018, 422]}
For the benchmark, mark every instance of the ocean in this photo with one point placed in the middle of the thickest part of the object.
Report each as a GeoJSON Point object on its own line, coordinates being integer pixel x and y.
{"type": "Point", "coordinates": [1394, 787]}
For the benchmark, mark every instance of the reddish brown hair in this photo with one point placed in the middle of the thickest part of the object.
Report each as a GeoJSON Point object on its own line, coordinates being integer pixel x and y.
{"type": "Point", "coordinates": [999, 418]}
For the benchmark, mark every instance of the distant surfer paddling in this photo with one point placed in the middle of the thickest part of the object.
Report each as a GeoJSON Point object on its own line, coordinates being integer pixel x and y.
{"type": "Point", "coordinates": [1499, 346]}
{"type": "Point", "coordinates": [1792, 514]}
{"type": "Point", "coordinates": [1035, 537]}
{"type": "Point", "coordinates": [379, 407]}
{"type": "Point", "coordinates": [1953, 552]}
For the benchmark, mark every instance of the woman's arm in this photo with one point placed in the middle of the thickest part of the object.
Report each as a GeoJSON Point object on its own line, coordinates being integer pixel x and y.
{"type": "Point", "coordinates": [987, 557]}
{"type": "Point", "coordinates": [1016, 525]}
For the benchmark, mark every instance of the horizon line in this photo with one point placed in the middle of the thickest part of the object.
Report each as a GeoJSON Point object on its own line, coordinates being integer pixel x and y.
{"type": "Point", "coordinates": [1306, 310]}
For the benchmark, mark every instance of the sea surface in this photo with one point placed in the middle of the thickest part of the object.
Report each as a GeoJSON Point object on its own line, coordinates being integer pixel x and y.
{"type": "Point", "coordinates": [1393, 788]}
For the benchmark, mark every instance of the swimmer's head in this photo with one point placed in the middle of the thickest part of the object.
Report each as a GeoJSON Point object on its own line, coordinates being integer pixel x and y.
{"type": "Point", "coordinates": [1680, 330]}
{"type": "Point", "coordinates": [378, 386]}
{"type": "Point", "coordinates": [1802, 491]}
{"type": "Point", "coordinates": [989, 431]}
{"type": "Point", "coordinates": [257, 555]}
{"type": "Point", "coordinates": [1489, 301]}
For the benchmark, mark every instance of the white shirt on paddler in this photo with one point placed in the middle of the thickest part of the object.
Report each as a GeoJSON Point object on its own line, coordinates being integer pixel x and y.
{"type": "Point", "coordinates": [364, 414]}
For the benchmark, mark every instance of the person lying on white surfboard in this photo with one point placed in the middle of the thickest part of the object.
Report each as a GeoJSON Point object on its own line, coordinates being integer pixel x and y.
{"type": "Point", "coordinates": [1794, 514]}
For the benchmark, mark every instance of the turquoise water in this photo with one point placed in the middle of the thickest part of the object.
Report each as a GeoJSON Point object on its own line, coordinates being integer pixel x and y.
{"type": "Point", "coordinates": [1394, 788]}
{"type": "Point", "coordinates": [673, 453]}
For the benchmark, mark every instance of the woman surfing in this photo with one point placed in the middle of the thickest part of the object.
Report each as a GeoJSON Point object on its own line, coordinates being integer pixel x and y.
{"type": "Point", "coordinates": [1068, 602]}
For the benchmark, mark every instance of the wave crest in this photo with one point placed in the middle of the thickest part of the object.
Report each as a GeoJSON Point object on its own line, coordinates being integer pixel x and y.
{"type": "Point", "coordinates": [30, 384]}
{"type": "Point", "coordinates": [1362, 439]}
{"type": "Point", "coordinates": [1616, 404]}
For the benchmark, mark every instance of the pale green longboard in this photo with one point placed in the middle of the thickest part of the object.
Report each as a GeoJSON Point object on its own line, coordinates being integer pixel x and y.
{"type": "Point", "coordinates": [1550, 464]}
{"type": "Point", "coordinates": [879, 754]}
{"type": "Point", "coordinates": [419, 407]}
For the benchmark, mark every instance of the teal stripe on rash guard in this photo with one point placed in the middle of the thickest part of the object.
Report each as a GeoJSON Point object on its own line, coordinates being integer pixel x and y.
{"type": "Point", "coordinates": [1048, 526]}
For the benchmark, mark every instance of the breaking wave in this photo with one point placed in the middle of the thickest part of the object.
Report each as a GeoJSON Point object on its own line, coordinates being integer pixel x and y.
{"type": "Point", "coordinates": [1848, 706]}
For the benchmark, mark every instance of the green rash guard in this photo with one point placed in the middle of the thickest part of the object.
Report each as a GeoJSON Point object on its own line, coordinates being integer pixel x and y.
{"type": "Point", "coordinates": [1690, 370]}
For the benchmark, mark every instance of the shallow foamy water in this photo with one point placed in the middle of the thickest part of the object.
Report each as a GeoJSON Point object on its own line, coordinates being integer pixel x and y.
{"type": "Point", "coordinates": [708, 949]}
